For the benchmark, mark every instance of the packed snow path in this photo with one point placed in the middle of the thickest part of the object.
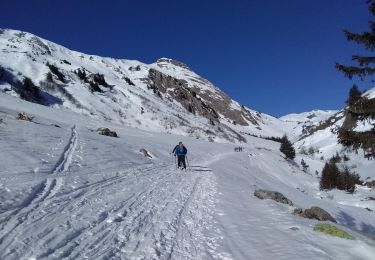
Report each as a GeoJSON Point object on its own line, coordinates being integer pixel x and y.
{"type": "Point", "coordinates": [144, 212]}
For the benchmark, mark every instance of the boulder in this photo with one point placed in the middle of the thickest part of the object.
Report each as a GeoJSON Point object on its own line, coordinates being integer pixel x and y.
{"type": "Point", "coordinates": [24, 116]}
{"type": "Point", "coordinates": [273, 195]}
{"type": "Point", "coordinates": [106, 131]}
{"type": "Point", "coordinates": [370, 184]}
{"type": "Point", "coordinates": [314, 213]}
{"type": "Point", "coordinates": [298, 211]}
{"type": "Point", "coordinates": [294, 228]}
{"type": "Point", "coordinates": [145, 153]}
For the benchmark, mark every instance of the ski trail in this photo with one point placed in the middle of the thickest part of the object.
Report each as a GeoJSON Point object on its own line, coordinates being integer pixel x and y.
{"type": "Point", "coordinates": [41, 205]}
{"type": "Point", "coordinates": [39, 194]}
{"type": "Point", "coordinates": [66, 158]}
{"type": "Point", "coordinates": [181, 245]}
{"type": "Point", "coordinates": [148, 212]}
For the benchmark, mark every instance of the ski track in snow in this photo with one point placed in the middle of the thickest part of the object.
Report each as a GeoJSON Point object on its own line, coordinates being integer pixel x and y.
{"type": "Point", "coordinates": [67, 156]}
{"type": "Point", "coordinates": [40, 193]}
{"type": "Point", "coordinates": [141, 213]}
{"type": "Point", "coordinates": [158, 214]}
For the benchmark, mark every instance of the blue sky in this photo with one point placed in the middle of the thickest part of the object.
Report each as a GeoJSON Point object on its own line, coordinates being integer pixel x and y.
{"type": "Point", "coordinates": [274, 56]}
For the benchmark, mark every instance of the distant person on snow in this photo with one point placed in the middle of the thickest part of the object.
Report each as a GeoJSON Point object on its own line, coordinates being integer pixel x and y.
{"type": "Point", "coordinates": [180, 151]}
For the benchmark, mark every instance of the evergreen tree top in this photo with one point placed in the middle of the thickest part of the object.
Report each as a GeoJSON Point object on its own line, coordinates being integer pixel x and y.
{"type": "Point", "coordinates": [364, 66]}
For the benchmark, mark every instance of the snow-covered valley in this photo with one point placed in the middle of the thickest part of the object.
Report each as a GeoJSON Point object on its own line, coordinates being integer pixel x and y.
{"type": "Point", "coordinates": [67, 192]}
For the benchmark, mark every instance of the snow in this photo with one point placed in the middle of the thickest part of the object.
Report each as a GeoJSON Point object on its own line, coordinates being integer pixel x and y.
{"type": "Point", "coordinates": [370, 93]}
{"type": "Point", "coordinates": [314, 115]}
{"type": "Point", "coordinates": [296, 123]}
{"type": "Point", "coordinates": [70, 193]}
{"type": "Point", "coordinates": [365, 125]}
{"type": "Point", "coordinates": [67, 192]}
{"type": "Point", "coordinates": [25, 55]}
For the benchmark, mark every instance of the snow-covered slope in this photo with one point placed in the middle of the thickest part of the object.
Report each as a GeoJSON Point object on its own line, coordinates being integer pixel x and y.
{"type": "Point", "coordinates": [69, 193]}
{"type": "Point", "coordinates": [370, 94]}
{"type": "Point", "coordinates": [300, 124]}
{"type": "Point", "coordinates": [315, 134]}
{"type": "Point", "coordinates": [165, 96]}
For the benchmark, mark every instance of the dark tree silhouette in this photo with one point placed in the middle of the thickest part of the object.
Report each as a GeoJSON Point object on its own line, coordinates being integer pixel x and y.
{"type": "Point", "coordinates": [332, 177]}
{"type": "Point", "coordinates": [287, 148]}
{"type": "Point", "coordinates": [360, 107]}
{"type": "Point", "coordinates": [329, 176]}
{"type": "Point", "coordinates": [364, 64]}
{"type": "Point", "coordinates": [354, 95]}
{"type": "Point", "coordinates": [304, 165]}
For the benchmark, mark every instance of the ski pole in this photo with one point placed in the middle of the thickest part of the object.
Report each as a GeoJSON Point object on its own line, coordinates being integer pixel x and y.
{"type": "Point", "coordinates": [187, 160]}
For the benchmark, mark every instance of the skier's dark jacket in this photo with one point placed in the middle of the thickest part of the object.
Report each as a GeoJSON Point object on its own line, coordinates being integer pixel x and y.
{"type": "Point", "coordinates": [178, 151]}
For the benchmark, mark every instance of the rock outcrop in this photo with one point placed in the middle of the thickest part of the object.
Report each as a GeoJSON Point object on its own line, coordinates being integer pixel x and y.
{"type": "Point", "coordinates": [272, 195]}
{"type": "Point", "coordinates": [106, 131]}
{"type": "Point", "coordinates": [314, 213]}
{"type": "Point", "coordinates": [145, 152]}
{"type": "Point", "coordinates": [370, 184]}
{"type": "Point", "coordinates": [25, 117]}
{"type": "Point", "coordinates": [208, 104]}
{"type": "Point", "coordinates": [178, 89]}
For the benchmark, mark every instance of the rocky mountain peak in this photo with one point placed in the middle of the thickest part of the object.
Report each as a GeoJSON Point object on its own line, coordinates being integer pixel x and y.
{"type": "Point", "coordinates": [165, 61]}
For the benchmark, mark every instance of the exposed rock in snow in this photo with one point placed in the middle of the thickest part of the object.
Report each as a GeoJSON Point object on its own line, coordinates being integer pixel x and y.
{"type": "Point", "coordinates": [314, 213]}
{"type": "Point", "coordinates": [24, 116]}
{"type": "Point", "coordinates": [177, 63]}
{"type": "Point", "coordinates": [106, 131]}
{"type": "Point", "coordinates": [272, 195]}
{"type": "Point", "coordinates": [145, 152]}
{"type": "Point", "coordinates": [370, 184]}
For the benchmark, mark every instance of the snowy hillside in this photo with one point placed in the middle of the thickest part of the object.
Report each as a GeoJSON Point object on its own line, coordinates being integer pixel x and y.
{"type": "Point", "coordinates": [67, 192]}
{"type": "Point", "coordinates": [165, 96]}
{"type": "Point", "coordinates": [300, 124]}
{"type": "Point", "coordinates": [315, 133]}
{"type": "Point", "coordinates": [370, 94]}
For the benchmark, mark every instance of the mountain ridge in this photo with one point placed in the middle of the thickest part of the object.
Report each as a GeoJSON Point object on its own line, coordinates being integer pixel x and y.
{"type": "Point", "coordinates": [166, 95]}
{"type": "Point", "coordinates": [166, 86]}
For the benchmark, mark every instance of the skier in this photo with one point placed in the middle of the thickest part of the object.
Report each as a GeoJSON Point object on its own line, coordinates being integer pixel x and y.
{"type": "Point", "coordinates": [180, 151]}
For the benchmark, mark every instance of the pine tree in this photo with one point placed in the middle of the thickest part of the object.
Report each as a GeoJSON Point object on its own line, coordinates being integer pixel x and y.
{"type": "Point", "coordinates": [365, 64]}
{"type": "Point", "coordinates": [287, 148]}
{"type": "Point", "coordinates": [329, 177]}
{"type": "Point", "coordinates": [332, 177]}
{"type": "Point", "coordinates": [360, 107]}
{"type": "Point", "coordinates": [347, 180]}
{"type": "Point", "coordinates": [354, 95]}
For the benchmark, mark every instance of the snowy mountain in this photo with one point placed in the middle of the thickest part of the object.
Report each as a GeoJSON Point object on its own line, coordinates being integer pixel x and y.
{"type": "Point", "coordinates": [317, 134]}
{"type": "Point", "coordinates": [164, 96]}
{"type": "Point", "coordinates": [301, 124]}
{"type": "Point", "coordinates": [68, 192]}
